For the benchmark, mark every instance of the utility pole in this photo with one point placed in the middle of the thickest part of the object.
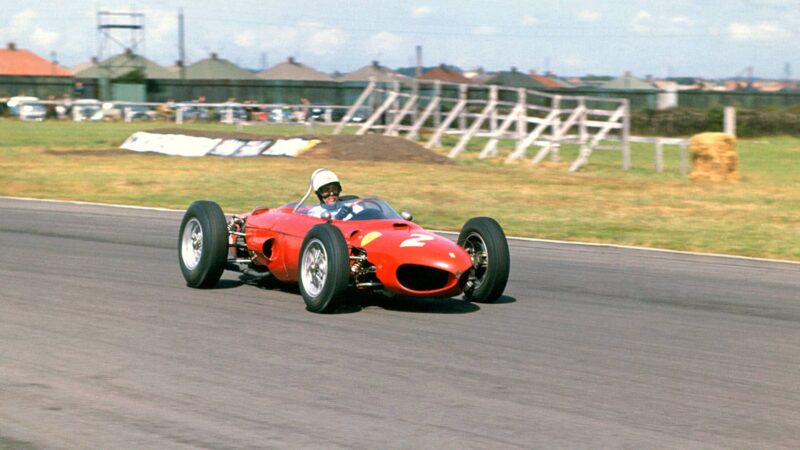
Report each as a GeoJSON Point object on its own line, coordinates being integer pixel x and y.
{"type": "Point", "coordinates": [181, 46]}
{"type": "Point", "coordinates": [419, 61]}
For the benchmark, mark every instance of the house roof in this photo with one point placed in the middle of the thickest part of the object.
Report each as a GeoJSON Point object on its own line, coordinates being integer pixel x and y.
{"type": "Point", "coordinates": [123, 64]}
{"type": "Point", "coordinates": [628, 82]}
{"type": "Point", "coordinates": [513, 78]}
{"type": "Point", "coordinates": [444, 74]}
{"type": "Point", "coordinates": [293, 70]}
{"type": "Point", "coordinates": [550, 81]}
{"type": "Point", "coordinates": [14, 61]}
{"type": "Point", "coordinates": [373, 71]}
{"type": "Point", "coordinates": [215, 68]}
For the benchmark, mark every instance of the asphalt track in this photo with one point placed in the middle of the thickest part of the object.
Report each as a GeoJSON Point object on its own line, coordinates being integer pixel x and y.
{"type": "Point", "coordinates": [103, 346]}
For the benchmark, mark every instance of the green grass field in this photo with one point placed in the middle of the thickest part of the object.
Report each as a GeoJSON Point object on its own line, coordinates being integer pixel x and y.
{"type": "Point", "coordinates": [759, 216]}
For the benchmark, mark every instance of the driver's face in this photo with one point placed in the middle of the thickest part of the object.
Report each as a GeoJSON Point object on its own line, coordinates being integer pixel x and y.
{"type": "Point", "coordinates": [330, 195]}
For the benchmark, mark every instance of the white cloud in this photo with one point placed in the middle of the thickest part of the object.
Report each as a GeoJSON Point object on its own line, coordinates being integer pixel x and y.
{"type": "Point", "coordinates": [589, 16]}
{"type": "Point", "coordinates": [682, 21]}
{"type": "Point", "coordinates": [422, 10]}
{"type": "Point", "coordinates": [645, 22]}
{"type": "Point", "coordinates": [529, 21]}
{"type": "Point", "coordinates": [571, 62]}
{"type": "Point", "coordinates": [279, 37]}
{"type": "Point", "coordinates": [43, 37]}
{"type": "Point", "coordinates": [642, 22]}
{"type": "Point", "coordinates": [246, 39]}
{"type": "Point", "coordinates": [161, 24]}
{"type": "Point", "coordinates": [22, 20]}
{"type": "Point", "coordinates": [485, 30]}
{"type": "Point", "coordinates": [384, 43]}
{"type": "Point", "coordinates": [760, 31]}
{"type": "Point", "coordinates": [326, 42]}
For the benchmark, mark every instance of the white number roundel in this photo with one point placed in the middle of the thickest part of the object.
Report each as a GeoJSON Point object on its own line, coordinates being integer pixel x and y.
{"type": "Point", "coordinates": [416, 240]}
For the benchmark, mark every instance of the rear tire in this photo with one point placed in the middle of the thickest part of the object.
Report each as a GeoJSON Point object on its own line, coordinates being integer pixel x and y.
{"type": "Point", "coordinates": [203, 244]}
{"type": "Point", "coordinates": [485, 241]}
{"type": "Point", "coordinates": [323, 268]}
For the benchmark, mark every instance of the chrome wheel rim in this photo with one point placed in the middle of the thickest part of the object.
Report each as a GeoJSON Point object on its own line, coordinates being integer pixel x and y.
{"type": "Point", "coordinates": [192, 244]}
{"type": "Point", "coordinates": [314, 268]}
{"type": "Point", "coordinates": [476, 248]}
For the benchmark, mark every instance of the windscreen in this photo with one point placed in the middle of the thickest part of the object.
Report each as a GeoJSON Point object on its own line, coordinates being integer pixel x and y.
{"type": "Point", "coordinates": [367, 208]}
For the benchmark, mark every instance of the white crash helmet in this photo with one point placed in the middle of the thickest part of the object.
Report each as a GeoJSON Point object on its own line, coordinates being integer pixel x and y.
{"type": "Point", "coordinates": [322, 178]}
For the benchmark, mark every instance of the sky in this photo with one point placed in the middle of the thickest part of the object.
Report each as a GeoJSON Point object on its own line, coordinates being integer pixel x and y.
{"type": "Point", "coordinates": [660, 38]}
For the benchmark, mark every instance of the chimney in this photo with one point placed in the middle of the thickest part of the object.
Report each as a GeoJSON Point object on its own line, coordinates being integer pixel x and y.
{"type": "Point", "coordinates": [376, 64]}
{"type": "Point", "coordinates": [12, 46]}
{"type": "Point", "coordinates": [513, 69]}
{"type": "Point", "coordinates": [128, 52]}
{"type": "Point", "coordinates": [291, 60]}
{"type": "Point", "coordinates": [213, 55]}
{"type": "Point", "coordinates": [94, 60]}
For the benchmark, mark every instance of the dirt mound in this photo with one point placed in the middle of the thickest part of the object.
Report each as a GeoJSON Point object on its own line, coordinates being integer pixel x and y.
{"type": "Point", "coordinates": [370, 147]}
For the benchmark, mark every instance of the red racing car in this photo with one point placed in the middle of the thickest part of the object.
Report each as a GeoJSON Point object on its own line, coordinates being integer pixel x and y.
{"type": "Point", "coordinates": [375, 249]}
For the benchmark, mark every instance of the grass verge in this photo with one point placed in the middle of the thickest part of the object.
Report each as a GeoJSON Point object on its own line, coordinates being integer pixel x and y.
{"type": "Point", "coordinates": [758, 216]}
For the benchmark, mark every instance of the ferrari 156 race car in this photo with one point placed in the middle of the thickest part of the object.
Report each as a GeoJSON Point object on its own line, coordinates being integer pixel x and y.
{"type": "Point", "coordinates": [375, 249]}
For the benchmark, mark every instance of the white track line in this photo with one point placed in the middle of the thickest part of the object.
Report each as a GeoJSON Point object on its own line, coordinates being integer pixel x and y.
{"type": "Point", "coordinates": [549, 241]}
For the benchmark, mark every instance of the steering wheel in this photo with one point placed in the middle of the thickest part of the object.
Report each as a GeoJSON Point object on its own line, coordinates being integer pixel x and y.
{"type": "Point", "coordinates": [345, 211]}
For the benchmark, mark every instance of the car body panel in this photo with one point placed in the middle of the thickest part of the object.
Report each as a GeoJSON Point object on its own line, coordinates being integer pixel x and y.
{"type": "Point", "coordinates": [400, 251]}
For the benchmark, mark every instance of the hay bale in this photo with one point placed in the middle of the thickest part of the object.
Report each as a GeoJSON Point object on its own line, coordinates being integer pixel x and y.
{"type": "Point", "coordinates": [714, 157]}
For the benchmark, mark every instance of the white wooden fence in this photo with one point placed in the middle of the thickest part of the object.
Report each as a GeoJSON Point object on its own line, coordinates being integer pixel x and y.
{"type": "Point", "coordinates": [530, 118]}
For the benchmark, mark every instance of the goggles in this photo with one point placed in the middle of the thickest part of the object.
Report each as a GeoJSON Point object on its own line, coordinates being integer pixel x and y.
{"type": "Point", "coordinates": [329, 192]}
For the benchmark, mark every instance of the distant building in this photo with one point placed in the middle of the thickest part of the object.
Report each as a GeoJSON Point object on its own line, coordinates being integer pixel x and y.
{"type": "Point", "coordinates": [550, 81]}
{"type": "Point", "coordinates": [215, 68]}
{"type": "Point", "coordinates": [443, 73]}
{"type": "Point", "coordinates": [14, 61]}
{"type": "Point", "coordinates": [122, 64]}
{"type": "Point", "coordinates": [477, 75]}
{"type": "Point", "coordinates": [376, 72]}
{"type": "Point", "coordinates": [514, 78]}
{"type": "Point", "coordinates": [292, 70]}
{"type": "Point", "coordinates": [629, 82]}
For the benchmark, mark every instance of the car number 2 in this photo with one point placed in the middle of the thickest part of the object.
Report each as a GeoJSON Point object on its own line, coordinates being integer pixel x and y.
{"type": "Point", "coordinates": [416, 240]}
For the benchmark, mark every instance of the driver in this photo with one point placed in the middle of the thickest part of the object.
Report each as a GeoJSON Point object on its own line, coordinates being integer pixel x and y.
{"type": "Point", "coordinates": [328, 188]}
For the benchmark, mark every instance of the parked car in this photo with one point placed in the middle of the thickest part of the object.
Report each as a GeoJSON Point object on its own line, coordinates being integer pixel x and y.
{"type": "Point", "coordinates": [87, 109]}
{"type": "Point", "coordinates": [192, 111]}
{"type": "Point", "coordinates": [231, 114]}
{"type": "Point", "coordinates": [138, 112]}
{"type": "Point", "coordinates": [27, 108]}
{"type": "Point", "coordinates": [281, 114]}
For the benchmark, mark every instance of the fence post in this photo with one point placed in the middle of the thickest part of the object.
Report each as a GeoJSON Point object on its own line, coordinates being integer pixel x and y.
{"type": "Point", "coordinates": [437, 113]}
{"type": "Point", "coordinates": [522, 120]}
{"type": "Point", "coordinates": [493, 115]}
{"type": "Point", "coordinates": [462, 117]}
{"type": "Point", "coordinates": [659, 156]}
{"type": "Point", "coordinates": [626, 133]}
{"type": "Point", "coordinates": [555, 142]}
{"type": "Point", "coordinates": [729, 124]}
{"type": "Point", "coordinates": [684, 158]}
{"type": "Point", "coordinates": [583, 133]}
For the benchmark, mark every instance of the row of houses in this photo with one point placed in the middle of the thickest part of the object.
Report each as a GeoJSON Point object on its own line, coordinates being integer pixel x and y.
{"type": "Point", "coordinates": [15, 61]}
{"type": "Point", "coordinates": [132, 77]}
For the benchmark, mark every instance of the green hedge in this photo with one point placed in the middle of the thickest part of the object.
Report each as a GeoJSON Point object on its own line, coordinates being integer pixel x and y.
{"type": "Point", "coordinates": [689, 121]}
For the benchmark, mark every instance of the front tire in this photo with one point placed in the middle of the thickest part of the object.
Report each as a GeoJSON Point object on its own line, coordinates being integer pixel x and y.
{"type": "Point", "coordinates": [323, 268]}
{"type": "Point", "coordinates": [203, 244]}
{"type": "Point", "coordinates": [485, 241]}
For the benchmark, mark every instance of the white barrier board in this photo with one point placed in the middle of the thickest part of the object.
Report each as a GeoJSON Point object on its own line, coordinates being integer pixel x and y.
{"type": "Point", "coordinates": [193, 146]}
